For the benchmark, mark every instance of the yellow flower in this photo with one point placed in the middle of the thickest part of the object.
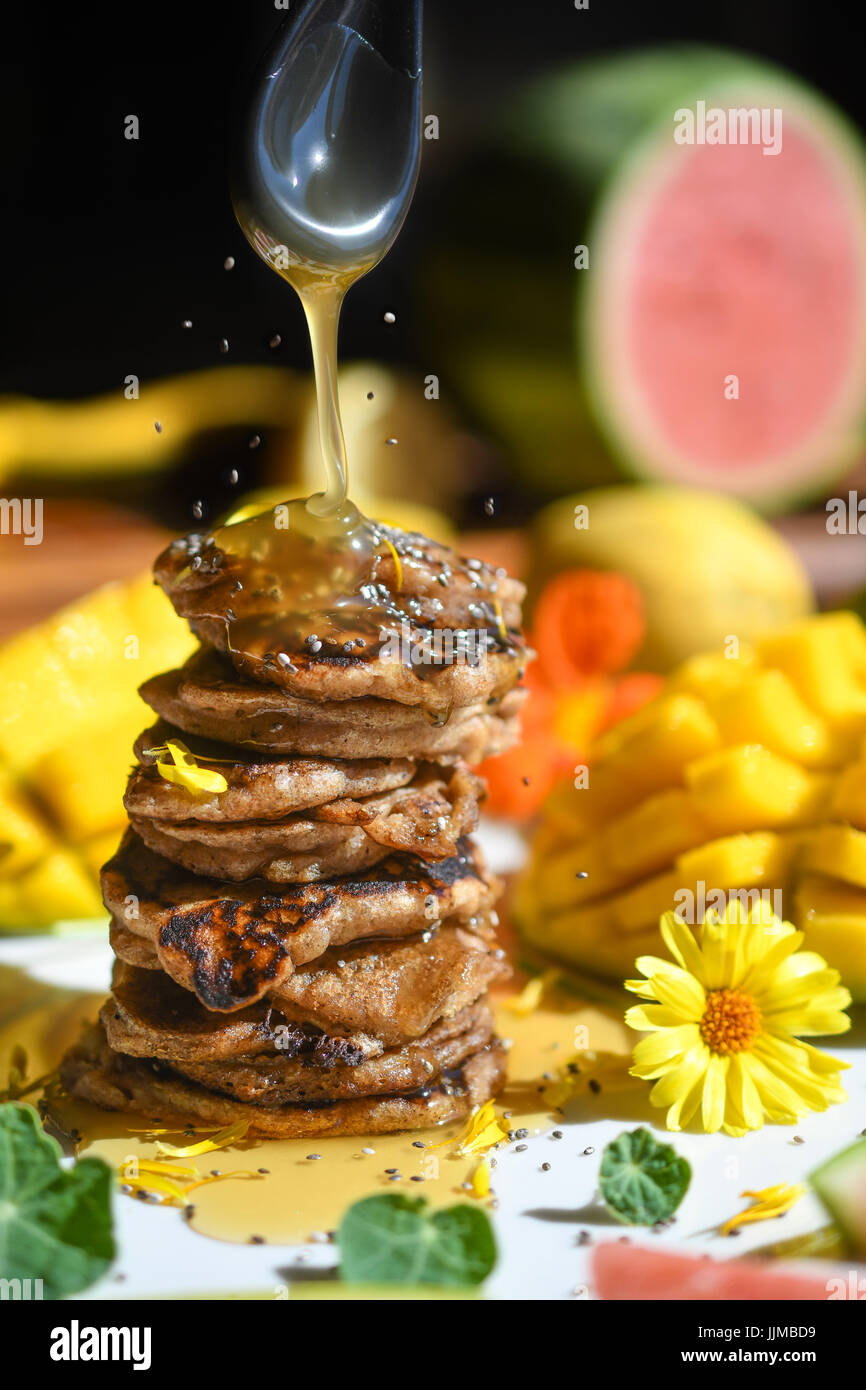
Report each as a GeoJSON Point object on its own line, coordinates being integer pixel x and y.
{"type": "Point", "coordinates": [726, 1019]}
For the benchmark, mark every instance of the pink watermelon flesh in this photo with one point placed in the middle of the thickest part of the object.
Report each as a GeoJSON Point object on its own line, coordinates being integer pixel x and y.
{"type": "Point", "coordinates": [723, 260]}
{"type": "Point", "coordinates": [630, 1273]}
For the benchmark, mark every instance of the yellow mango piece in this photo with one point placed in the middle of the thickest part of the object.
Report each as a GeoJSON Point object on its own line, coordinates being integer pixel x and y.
{"type": "Point", "coordinates": [824, 657]}
{"type": "Point", "coordinates": [95, 852]}
{"type": "Point", "coordinates": [647, 753]}
{"type": "Point", "coordinates": [23, 836]}
{"type": "Point", "coordinates": [848, 799]}
{"type": "Point", "coordinates": [79, 670]}
{"type": "Point", "coordinates": [82, 783]}
{"type": "Point", "coordinates": [638, 843]}
{"type": "Point", "coordinates": [749, 788]}
{"type": "Point", "coordinates": [838, 851]}
{"type": "Point", "coordinates": [711, 672]}
{"type": "Point", "coordinates": [766, 709]}
{"type": "Point", "coordinates": [833, 916]}
{"type": "Point", "coordinates": [764, 858]}
{"type": "Point", "coordinates": [58, 888]}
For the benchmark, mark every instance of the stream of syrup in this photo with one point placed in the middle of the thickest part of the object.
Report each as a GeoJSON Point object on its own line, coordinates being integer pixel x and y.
{"type": "Point", "coordinates": [324, 170]}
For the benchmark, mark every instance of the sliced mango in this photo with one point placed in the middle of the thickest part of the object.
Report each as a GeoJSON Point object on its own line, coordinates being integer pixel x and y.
{"type": "Point", "coordinates": [833, 916]}
{"type": "Point", "coordinates": [647, 752]}
{"type": "Point", "coordinates": [79, 671]}
{"type": "Point", "coordinates": [848, 800]}
{"type": "Point", "coordinates": [23, 836]}
{"type": "Point", "coordinates": [711, 672]}
{"type": "Point", "coordinates": [749, 788]}
{"type": "Point", "coordinates": [825, 659]}
{"type": "Point", "coordinates": [58, 888]}
{"type": "Point", "coordinates": [82, 783]}
{"type": "Point", "coordinates": [839, 851]}
{"type": "Point", "coordinates": [767, 709]}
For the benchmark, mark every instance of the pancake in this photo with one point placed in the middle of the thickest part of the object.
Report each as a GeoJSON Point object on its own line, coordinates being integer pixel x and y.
{"type": "Point", "coordinates": [142, 1019]}
{"type": "Point", "coordinates": [148, 1015]}
{"type": "Point", "coordinates": [376, 994]}
{"type": "Point", "coordinates": [92, 1072]}
{"type": "Point", "coordinates": [206, 697]}
{"type": "Point", "coordinates": [258, 788]}
{"type": "Point", "coordinates": [428, 818]}
{"type": "Point", "coordinates": [234, 944]}
{"type": "Point", "coordinates": [428, 590]}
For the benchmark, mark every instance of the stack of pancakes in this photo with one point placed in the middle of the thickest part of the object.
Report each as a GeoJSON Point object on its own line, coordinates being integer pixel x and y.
{"type": "Point", "coordinates": [310, 949]}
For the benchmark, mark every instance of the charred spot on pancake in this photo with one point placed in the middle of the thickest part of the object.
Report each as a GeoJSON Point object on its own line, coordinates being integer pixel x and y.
{"type": "Point", "coordinates": [237, 948]}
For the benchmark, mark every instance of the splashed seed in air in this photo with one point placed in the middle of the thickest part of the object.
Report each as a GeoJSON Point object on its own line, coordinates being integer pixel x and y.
{"type": "Point", "coordinates": [224, 344]}
{"type": "Point", "coordinates": [229, 263]}
{"type": "Point", "coordinates": [255, 441]}
{"type": "Point", "coordinates": [389, 317]}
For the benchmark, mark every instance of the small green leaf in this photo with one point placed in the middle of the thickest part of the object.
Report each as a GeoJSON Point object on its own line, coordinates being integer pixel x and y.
{"type": "Point", "coordinates": [391, 1239]}
{"type": "Point", "coordinates": [55, 1223]}
{"type": "Point", "coordinates": [641, 1180]}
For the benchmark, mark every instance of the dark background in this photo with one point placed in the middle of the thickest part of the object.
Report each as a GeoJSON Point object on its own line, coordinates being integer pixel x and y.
{"type": "Point", "coordinates": [109, 244]}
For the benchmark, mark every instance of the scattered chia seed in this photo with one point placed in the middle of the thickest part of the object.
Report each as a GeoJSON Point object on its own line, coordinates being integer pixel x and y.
{"type": "Point", "coordinates": [389, 317]}
{"type": "Point", "coordinates": [264, 1170]}
{"type": "Point", "coordinates": [584, 1238]}
{"type": "Point", "coordinates": [418, 1144]}
{"type": "Point", "coordinates": [275, 341]}
{"type": "Point", "coordinates": [489, 506]}
{"type": "Point", "coordinates": [157, 426]}
{"type": "Point", "coordinates": [520, 1148]}
{"type": "Point", "coordinates": [229, 263]}
{"type": "Point", "coordinates": [594, 1086]}
{"type": "Point", "coordinates": [233, 477]}
{"type": "Point", "coordinates": [582, 874]}
{"type": "Point", "coordinates": [313, 1157]}
{"type": "Point", "coordinates": [798, 1139]}
{"type": "Point", "coordinates": [392, 441]}
{"type": "Point", "coordinates": [257, 1240]}
{"type": "Point", "coordinates": [255, 441]}
{"type": "Point", "coordinates": [416, 1177]}
{"type": "Point", "coordinates": [224, 344]}
{"type": "Point", "coordinates": [368, 1151]}
{"type": "Point", "coordinates": [588, 1150]}
{"type": "Point", "coordinates": [557, 1134]}
{"type": "Point", "coordinates": [545, 1167]}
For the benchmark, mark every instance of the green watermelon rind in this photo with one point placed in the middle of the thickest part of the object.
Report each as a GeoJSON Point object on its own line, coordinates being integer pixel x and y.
{"type": "Point", "coordinates": [613, 193]}
{"type": "Point", "coordinates": [825, 1181]}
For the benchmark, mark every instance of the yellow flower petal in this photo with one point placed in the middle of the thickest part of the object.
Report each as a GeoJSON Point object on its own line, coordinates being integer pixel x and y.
{"type": "Point", "coordinates": [714, 1092]}
{"type": "Point", "coordinates": [659, 1051]}
{"type": "Point", "coordinates": [184, 771]}
{"type": "Point", "coordinates": [768, 1203]}
{"type": "Point", "coordinates": [481, 1180]}
{"type": "Point", "coordinates": [221, 1140]}
{"type": "Point", "coordinates": [680, 941]}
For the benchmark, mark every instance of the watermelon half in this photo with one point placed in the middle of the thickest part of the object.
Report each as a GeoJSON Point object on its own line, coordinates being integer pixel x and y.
{"type": "Point", "coordinates": [717, 261]}
{"type": "Point", "coordinates": [629, 1272]}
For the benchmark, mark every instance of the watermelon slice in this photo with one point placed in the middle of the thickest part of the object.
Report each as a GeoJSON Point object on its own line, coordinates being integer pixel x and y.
{"type": "Point", "coordinates": [632, 1273]}
{"type": "Point", "coordinates": [724, 317]}
{"type": "Point", "coordinates": [841, 1185]}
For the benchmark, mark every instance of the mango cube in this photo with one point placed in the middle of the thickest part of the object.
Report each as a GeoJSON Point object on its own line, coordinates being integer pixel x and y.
{"type": "Point", "coordinates": [749, 788]}
{"type": "Point", "coordinates": [824, 659]}
{"type": "Point", "coordinates": [839, 851]}
{"type": "Point", "coordinates": [833, 916]}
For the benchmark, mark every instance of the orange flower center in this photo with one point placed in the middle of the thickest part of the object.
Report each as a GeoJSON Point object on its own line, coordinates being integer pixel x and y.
{"type": "Point", "coordinates": [731, 1021]}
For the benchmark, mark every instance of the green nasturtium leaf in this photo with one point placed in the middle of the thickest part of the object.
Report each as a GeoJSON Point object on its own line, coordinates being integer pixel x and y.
{"type": "Point", "coordinates": [641, 1180]}
{"type": "Point", "coordinates": [55, 1223]}
{"type": "Point", "coordinates": [391, 1239]}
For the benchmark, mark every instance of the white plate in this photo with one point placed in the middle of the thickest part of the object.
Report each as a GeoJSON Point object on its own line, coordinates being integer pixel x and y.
{"type": "Point", "coordinates": [539, 1214]}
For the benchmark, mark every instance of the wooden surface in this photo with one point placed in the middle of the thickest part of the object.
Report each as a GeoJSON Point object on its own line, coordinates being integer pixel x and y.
{"type": "Point", "coordinates": [84, 544]}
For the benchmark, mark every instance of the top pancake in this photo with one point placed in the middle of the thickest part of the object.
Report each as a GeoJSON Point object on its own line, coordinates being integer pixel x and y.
{"type": "Point", "coordinates": [458, 622]}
